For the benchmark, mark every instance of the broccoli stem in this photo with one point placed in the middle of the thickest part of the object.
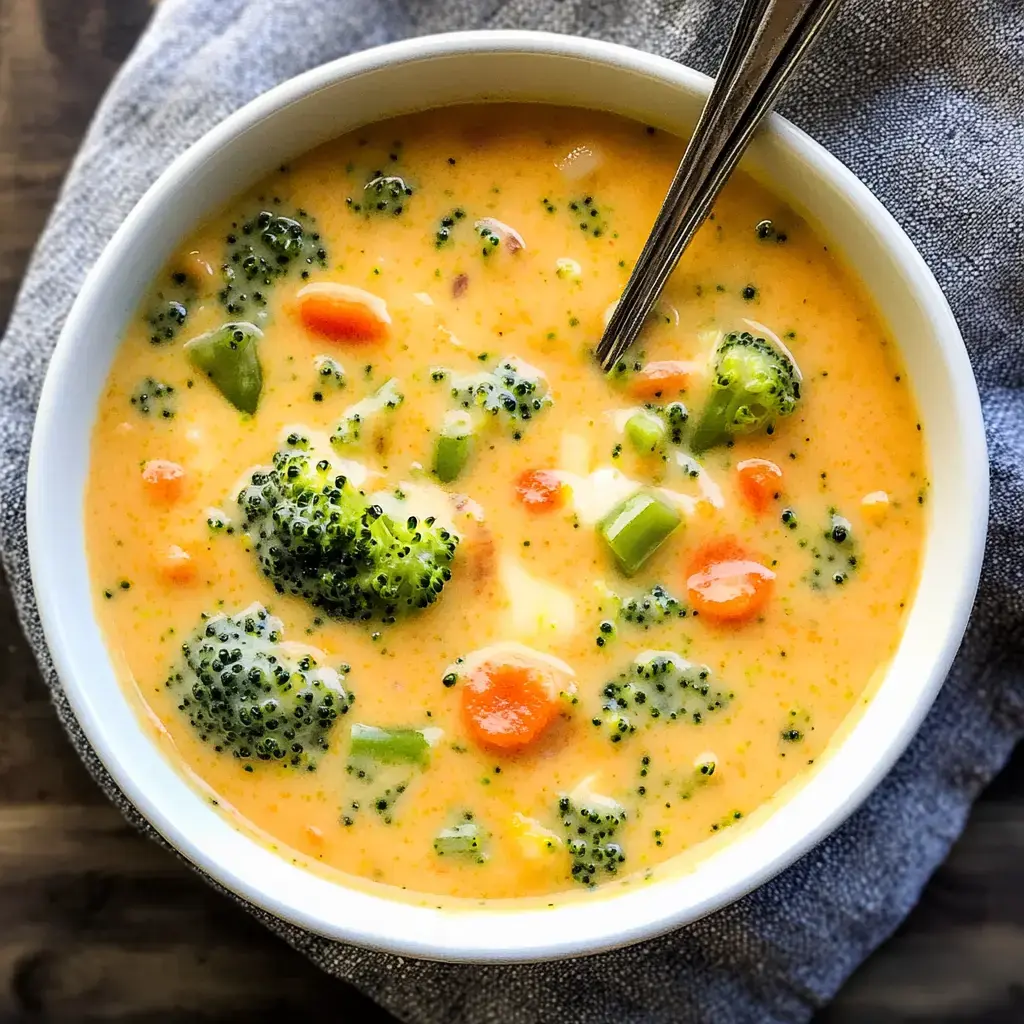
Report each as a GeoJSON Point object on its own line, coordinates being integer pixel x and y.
{"type": "Point", "coordinates": [714, 426]}
{"type": "Point", "coordinates": [453, 448]}
{"type": "Point", "coordinates": [646, 431]}
{"type": "Point", "coordinates": [229, 358]}
{"type": "Point", "coordinates": [636, 528]}
{"type": "Point", "coordinates": [463, 840]}
{"type": "Point", "coordinates": [389, 746]}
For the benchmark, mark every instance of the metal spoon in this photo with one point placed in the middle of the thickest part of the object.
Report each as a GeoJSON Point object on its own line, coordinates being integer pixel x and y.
{"type": "Point", "coordinates": [770, 39]}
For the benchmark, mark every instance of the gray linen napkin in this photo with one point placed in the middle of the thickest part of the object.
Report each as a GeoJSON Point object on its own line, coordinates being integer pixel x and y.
{"type": "Point", "coordinates": [925, 101]}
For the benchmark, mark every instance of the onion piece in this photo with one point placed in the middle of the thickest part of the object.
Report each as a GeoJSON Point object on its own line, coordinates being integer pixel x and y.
{"type": "Point", "coordinates": [580, 162]}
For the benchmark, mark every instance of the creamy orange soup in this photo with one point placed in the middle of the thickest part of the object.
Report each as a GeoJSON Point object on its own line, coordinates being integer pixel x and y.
{"type": "Point", "coordinates": [629, 609]}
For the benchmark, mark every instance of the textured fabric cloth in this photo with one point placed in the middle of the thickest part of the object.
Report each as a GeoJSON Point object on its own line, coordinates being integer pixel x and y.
{"type": "Point", "coordinates": [924, 101]}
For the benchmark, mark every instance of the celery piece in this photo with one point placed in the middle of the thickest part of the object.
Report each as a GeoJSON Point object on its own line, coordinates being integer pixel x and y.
{"type": "Point", "coordinates": [389, 746]}
{"type": "Point", "coordinates": [462, 840]}
{"type": "Point", "coordinates": [229, 358]}
{"type": "Point", "coordinates": [637, 527]}
{"type": "Point", "coordinates": [646, 431]}
{"type": "Point", "coordinates": [454, 447]}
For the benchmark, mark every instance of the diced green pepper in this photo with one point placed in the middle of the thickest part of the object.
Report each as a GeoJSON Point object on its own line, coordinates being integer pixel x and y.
{"type": "Point", "coordinates": [229, 358]}
{"type": "Point", "coordinates": [389, 746]}
{"type": "Point", "coordinates": [462, 840]}
{"type": "Point", "coordinates": [637, 527]}
{"type": "Point", "coordinates": [646, 431]}
{"type": "Point", "coordinates": [454, 447]}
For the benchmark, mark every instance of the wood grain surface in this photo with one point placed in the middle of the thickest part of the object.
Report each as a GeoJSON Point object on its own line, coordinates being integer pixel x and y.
{"type": "Point", "coordinates": [98, 924]}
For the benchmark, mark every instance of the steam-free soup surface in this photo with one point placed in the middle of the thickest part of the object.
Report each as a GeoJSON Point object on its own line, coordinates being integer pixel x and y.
{"type": "Point", "coordinates": [477, 238]}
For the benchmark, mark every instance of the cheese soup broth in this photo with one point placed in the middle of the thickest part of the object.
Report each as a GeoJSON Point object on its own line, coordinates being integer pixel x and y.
{"type": "Point", "coordinates": [476, 238]}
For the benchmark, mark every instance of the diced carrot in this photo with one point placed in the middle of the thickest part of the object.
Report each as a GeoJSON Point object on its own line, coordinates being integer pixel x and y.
{"type": "Point", "coordinates": [508, 705]}
{"type": "Point", "coordinates": [164, 480]}
{"type": "Point", "coordinates": [342, 313]}
{"type": "Point", "coordinates": [661, 379]}
{"type": "Point", "coordinates": [177, 565]}
{"type": "Point", "coordinates": [760, 482]}
{"type": "Point", "coordinates": [540, 490]}
{"type": "Point", "coordinates": [726, 584]}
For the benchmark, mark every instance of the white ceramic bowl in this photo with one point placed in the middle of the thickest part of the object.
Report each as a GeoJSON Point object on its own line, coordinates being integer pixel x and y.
{"type": "Point", "coordinates": [327, 102]}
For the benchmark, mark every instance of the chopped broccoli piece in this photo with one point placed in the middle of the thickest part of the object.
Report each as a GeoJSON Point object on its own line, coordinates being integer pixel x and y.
{"type": "Point", "coordinates": [318, 537]}
{"type": "Point", "coordinates": [389, 746]}
{"type": "Point", "coordinates": [229, 357]}
{"type": "Point", "coordinates": [386, 193]}
{"type": "Point", "coordinates": [754, 384]}
{"type": "Point", "coordinates": [636, 528]}
{"type": "Point", "coordinates": [262, 250]}
{"type": "Point", "coordinates": [588, 215]}
{"type": "Point", "coordinates": [646, 431]}
{"type": "Point", "coordinates": [167, 309]}
{"type": "Point", "coordinates": [513, 392]}
{"type": "Point", "coordinates": [152, 396]}
{"type": "Point", "coordinates": [454, 446]}
{"type": "Point", "coordinates": [385, 760]}
{"type": "Point", "coordinates": [218, 522]}
{"type": "Point", "coordinates": [329, 371]}
{"type": "Point", "coordinates": [796, 725]}
{"type": "Point", "coordinates": [659, 684]}
{"type": "Point", "coordinates": [674, 416]}
{"type": "Point", "coordinates": [444, 231]}
{"type": "Point", "coordinates": [591, 822]}
{"type": "Point", "coordinates": [463, 840]}
{"type": "Point", "coordinates": [655, 606]}
{"type": "Point", "coordinates": [249, 693]}
{"type": "Point", "coordinates": [362, 420]}
{"type": "Point", "coordinates": [166, 319]}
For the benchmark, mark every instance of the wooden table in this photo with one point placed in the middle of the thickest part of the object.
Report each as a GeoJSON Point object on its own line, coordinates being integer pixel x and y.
{"type": "Point", "coordinates": [98, 924]}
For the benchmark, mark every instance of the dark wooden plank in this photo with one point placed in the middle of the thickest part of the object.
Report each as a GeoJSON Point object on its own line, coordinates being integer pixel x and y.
{"type": "Point", "coordinates": [56, 57]}
{"type": "Point", "coordinates": [99, 924]}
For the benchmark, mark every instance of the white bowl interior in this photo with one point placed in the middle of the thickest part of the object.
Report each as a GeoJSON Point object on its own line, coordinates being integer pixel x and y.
{"type": "Point", "coordinates": [526, 67]}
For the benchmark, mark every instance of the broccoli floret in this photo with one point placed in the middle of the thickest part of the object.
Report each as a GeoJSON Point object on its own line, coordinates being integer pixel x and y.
{"type": "Point", "coordinates": [591, 822]}
{"type": "Point", "coordinates": [263, 249]}
{"type": "Point", "coordinates": [250, 694]}
{"type": "Point", "coordinates": [465, 840]}
{"type": "Point", "coordinates": [513, 392]}
{"type": "Point", "coordinates": [329, 371]}
{"type": "Point", "coordinates": [444, 230]}
{"type": "Point", "coordinates": [754, 384]}
{"type": "Point", "coordinates": [318, 537]}
{"type": "Point", "coordinates": [659, 684]}
{"type": "Point", "coordinates": [675, 416]}
{"type": "Point", "coordinates": [167, 310]}
{"type": "Point", "coordinates": [385, 194]}
{"type": "Point", "coordinates": [588, 216]}
{"type": "Point", "coordinates": [362, 420]}
{"type": "Point", "coordinates": [154, 397]}
{"type": "Point", "coordinates": [650, 608]}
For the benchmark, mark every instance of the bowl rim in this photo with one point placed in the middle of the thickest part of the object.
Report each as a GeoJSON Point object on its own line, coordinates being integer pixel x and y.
{"type": "Point", "coordinates": [423, 932]}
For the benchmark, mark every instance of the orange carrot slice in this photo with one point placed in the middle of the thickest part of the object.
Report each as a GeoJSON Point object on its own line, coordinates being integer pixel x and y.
{"type": "Point", "coordinates": [760, 481]}
{"type": "Point", "coordinates": [726, 584]}
{"type": "Point", "coordinates": [164, 480]}
{"type": "Point", "coordinates": [176, 565]}
{"type": "Point", "coordinates": [341, 313]}
{"type": "Point", "coordinates": [540, 490]}
{"type": "Point", "coordinates": [508, 705]}
{"type": "Point", "coordinates": [661, 379]}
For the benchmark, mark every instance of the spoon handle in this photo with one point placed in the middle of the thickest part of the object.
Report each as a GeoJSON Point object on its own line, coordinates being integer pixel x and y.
{"type": "Point", "coordinates": [769, 40]}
